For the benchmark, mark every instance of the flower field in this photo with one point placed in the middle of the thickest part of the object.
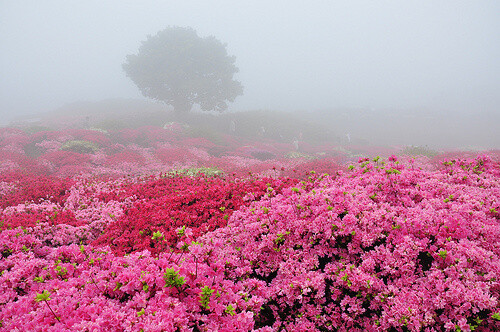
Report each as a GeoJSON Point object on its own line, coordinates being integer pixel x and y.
{"type": "Point", "coordinates": [153, 229]}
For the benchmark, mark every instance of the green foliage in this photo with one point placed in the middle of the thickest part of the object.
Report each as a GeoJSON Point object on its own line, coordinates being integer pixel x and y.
{"type": "Point", "coordinates": [197, 171]}
{"type": "Point", "coordinates": [173, 279]}
{"type": "Point", "coordinates": [205, 295]}
{"type": "Point", "coordinates": [180, 68]}
{"type": "Point", "coordinates": [443, 254]}
{"type": "Point", "coordinates": [44, 296]}
{"type": "Point", "coordinates": [157, 236]}
{"type": "Point", "coordinates": [61, 271]}
{"type": "Point", "coordinates": [80, 146]}
{"type": "Point", "coordinates": [280, 238]}
{"type": "Point", "coordinates": [345, 278]}
{"type": "Point", "coordinates": [180, 231]}
{"type": "Point", "coordinates": [230, 310]}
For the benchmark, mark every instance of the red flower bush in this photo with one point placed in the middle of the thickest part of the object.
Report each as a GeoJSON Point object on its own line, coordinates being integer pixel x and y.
{"type": "Point", "coordinates": [52, 218]}
{"type": "Point", "coordinates": [18, 159]}
{"type": "Point", "coordinates": [15, 138]}
{"type": "Point", "coordinates": [28, 187]}
{"type": "Point", "coordinates": [96, 137]}
{"type": "Point", "coordinates": [164, 205]}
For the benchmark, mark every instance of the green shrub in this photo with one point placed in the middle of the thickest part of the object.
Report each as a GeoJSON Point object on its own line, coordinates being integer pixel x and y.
{"type": "Point", "coordinates": [80, 146]}
{"type": "Point", "coordinates": [196, 171]}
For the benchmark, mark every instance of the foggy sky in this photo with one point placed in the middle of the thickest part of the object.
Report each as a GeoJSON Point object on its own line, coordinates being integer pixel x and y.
{"type": "Point", "coordinates": [292, 55]}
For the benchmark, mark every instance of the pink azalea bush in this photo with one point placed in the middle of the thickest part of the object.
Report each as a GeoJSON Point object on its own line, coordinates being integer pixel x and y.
{"type": "Point", "coordinates": [79, 288]}
{"type": "Point", "coordinates": [382, 247]}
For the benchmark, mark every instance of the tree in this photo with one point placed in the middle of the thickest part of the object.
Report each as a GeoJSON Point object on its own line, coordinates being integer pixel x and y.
{"type": "Point", "coordinates": [178, 67]}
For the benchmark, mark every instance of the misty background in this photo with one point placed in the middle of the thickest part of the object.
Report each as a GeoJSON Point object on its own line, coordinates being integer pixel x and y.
{"type": "Point", "coordinates": [387, 72]}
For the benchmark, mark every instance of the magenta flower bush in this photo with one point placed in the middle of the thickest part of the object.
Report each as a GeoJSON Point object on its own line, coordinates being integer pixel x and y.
{"type": "Point", "coordinates": [381, 247]}
{"type": "Point", "coordinates": [91, 289]}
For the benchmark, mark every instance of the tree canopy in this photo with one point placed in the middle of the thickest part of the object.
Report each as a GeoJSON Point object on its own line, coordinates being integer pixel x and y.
{"type": "Point", "coordinates": [178, 67]}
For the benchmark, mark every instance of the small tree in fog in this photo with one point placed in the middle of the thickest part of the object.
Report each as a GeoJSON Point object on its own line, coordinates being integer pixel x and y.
{"type": "Point", "coordinates": [178, 67]}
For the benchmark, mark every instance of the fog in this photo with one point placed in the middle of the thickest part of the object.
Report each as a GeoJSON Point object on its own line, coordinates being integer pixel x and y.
{"type": "Point", "coordinates": [334, 60]}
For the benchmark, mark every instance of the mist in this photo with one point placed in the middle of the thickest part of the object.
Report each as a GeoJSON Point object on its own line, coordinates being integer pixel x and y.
{"type": "Point", "coordinates": [388, 72]}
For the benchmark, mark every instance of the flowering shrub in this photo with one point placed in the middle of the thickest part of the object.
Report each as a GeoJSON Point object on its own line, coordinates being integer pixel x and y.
{"type": "Point", "coordinates": [173, 154]}
{"type": "Point", "coordinates": [320, 166]}
{"type": "Point", "coordinates": [126, 156]}
{"type": "Point", "coordinates": [54, 217]}
{"type": "Point", "coordinates": [66, 158]}
{"type": "Point", "coordinates": [13, 161]}
{"type": "Point", "coordinates": [80, 146]}
{"type": "Point", "coordinates": [93, 136]}
{"type": "Point", "coordinates": [146, 149]}
{"type": "Point", "coordinates": [28, 187]}
{"type": "Point", "coordinates": [74, 288]}
{"type": "Point", "coordinates": [163, 205]}
{"type": "Point", "coordinates": [381, 247]}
